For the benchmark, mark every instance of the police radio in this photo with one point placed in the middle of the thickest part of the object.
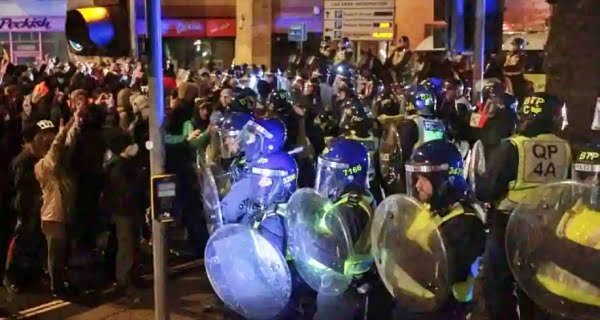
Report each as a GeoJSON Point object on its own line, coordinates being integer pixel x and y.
{"type": "Point", "coordinates": [163, 197]}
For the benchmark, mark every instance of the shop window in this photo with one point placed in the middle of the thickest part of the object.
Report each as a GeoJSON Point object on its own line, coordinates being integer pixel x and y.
{"type": "Point", "coordinates": [4, 37]}
{"type": "Point", "coordinates": [25, 36]}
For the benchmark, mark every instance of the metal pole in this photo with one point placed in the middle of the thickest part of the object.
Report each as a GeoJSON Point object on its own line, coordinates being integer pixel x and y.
{"type": "Point", "coordinates": [132, 28]}
{"type": "Point", "coordinates": [156, 91]}
{"type": "Point", "coordinates": [479, 49]}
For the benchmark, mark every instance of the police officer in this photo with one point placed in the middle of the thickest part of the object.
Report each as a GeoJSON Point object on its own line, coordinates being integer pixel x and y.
{"type": "Point", "coordinates": [356, 124]}
{"type": "Point", "coordinates": [420, 125]}
{"type": "Point", "coordinates": [552, 263]}
{"type": "Point", "coordinates": [225, 145]}
{"type": "Point", "coordinates": [514, 67]}
{"type": "Point", "coordinates": [257, 139]}
{"type": "Point", "coordinates": [342, 177]}
{"type": "Point", "coordinates": [455, 111]}
{"type": "Point", "coordinates": [494, 119]}
{"type": "Point", "coordinates": [434, 176]}
{"type": "Point", "coordinates": [389, 114]}
{"type": "Point", "coordinates": [532, 157]}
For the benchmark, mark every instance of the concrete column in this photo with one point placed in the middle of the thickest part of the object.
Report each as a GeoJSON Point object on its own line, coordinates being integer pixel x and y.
{"type": "Point", "coordinates": [254, 29]}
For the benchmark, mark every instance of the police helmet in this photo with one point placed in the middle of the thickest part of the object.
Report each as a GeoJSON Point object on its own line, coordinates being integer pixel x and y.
{"type": "Point", "coordinates": [231, 127]}
{"type": "Point", "coordinates": [262, 136]}
{"type": "Point", "coordinates": [519, 43]}
{"type": "Point", "coordinates": [341, 167]}
{"type": "Point", "coordinates": [387, 104]}
{"type": "Point", "coordinates": [355, 119]}
{"type": "Point", "coordinates": [273, 177]}
{"type": "Point", "coordinates": [280, 102]}
{"type": "Point", "coordinates": [328, 124]}
{"type": "Point", "coordinates": [455, 85]}
{"type": "Point", "coordinates": [539, 113]}
{"type": "Point", "coordinates": [441, 163]}
{"type": "Point", "coordinates": [420, 100]}
{"type": "Point", "coordinates": [586, 167]}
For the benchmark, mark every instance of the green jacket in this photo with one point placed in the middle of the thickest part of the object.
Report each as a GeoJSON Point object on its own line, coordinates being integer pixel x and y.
{"type": "Point", "coordinates": [197, 145]}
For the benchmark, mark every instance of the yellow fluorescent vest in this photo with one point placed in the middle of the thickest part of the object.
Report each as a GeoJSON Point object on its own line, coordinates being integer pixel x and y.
{"type": "Point", "coordinates": [582, 225]}
{"type": "Point", "coordinates": [543, 159]}
{"type": "Point", "coordinates": [423, 225]}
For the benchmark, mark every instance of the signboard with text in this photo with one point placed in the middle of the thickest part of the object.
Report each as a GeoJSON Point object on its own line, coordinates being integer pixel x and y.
{"type": "Point", "coordinates": [32, 24]}
{"type": "Point", "coordinates": [297, 32]}
{"type": "Point", "coordinates": [193, 28]}
{"type": "Point", "coordinates": [361, 20]}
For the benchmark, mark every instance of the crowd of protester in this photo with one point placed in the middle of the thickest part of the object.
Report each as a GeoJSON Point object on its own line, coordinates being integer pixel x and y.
{"type": "Point", "coordinates": [74, 168]}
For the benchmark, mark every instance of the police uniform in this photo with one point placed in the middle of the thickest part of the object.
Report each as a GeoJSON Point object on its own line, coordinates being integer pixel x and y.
{"type": "Point", "coordinates": [463, 236]}
{"type": "Point", "coordinates": [519, 164]}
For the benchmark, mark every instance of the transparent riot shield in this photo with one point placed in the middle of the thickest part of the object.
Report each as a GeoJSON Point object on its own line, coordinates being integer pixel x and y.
{"type": "Point", "coordinates": [553, 249]}
{"type": "Point", "coordinates": [319, 242]}
{"type": "Point", "coordinates": [215, 183]}
{"type": "Point", "coordinates": [409, 253]}
{"type": "Point", "coordinates": [247, 272]}
{"type": "Point", "coordinates": [391, 165]}
{"type": "Point", "coordinates": [475, 164]}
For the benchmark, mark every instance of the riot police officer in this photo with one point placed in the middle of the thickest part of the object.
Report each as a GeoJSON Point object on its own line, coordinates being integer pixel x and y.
{"type": "Point", "coordinates": [342, 178]}
{"type": "Point", "coordinates": [356, 124]}
{"type": "Point", "coordinates": [389, 114]}
{"type": "Point", "coordinates": [434, 177]}
{"type": "Point", "coordinates": [420, 125]}
{"type": "Point", "coordinates": [552, 242]}
{"type": "Point", "coordinates": [225, 147]}
{"type": "Point", "coordinates": [455, 111]}
{"type": "Point", "coordinates": [532, 157]}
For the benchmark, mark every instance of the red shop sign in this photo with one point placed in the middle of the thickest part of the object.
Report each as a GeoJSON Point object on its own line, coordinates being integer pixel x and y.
{"type": "Point", "coordinates": [181, 28]}
{"type": "Point", "coordinates": [220, 28]}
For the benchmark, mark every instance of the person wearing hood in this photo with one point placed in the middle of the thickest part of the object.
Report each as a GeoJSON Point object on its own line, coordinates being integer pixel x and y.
{"type": "Point", "coordinates": [196, 130]}
{"type": "Point", "coordinates": [119, 201]}
{"type": "Point", "coordinates": [27, 239]}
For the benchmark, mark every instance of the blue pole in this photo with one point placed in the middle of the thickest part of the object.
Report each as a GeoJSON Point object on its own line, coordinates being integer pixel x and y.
{"type": "Point", "coordinates": [156, 147]}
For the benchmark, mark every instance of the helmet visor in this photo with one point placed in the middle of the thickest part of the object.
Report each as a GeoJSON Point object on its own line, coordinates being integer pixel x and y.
{"type": "Point", "coordinates": [331, 178]}
{"type": "Point", "coordinates": [251, 139]}
{"type": "Point", "coordinates": [268, 186]}
{"type": "Point", "coordinates": [418, 187]}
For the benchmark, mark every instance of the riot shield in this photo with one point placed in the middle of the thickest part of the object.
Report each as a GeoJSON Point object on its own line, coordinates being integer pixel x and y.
{"type": "Point", "coordinates": [215, 184]}
{"type": "Point", "coordinates": [319, 242]}
{"type": "Point", "coordinates": [475, 164]}
{"type": "Point", "coordinates": [247, 272]}
{"type": "Point", "coordinates": [553, 249]}
{"type": "Point", "coordinates": [391, 165]}
{"type": "Point", "coordinates": [409, 253]}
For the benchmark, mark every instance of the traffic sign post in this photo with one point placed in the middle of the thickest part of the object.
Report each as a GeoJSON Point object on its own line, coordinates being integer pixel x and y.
{"type": "Point", "coordinates": [359, 19]}
{"type": "Point", "coordinates": [297, 33]}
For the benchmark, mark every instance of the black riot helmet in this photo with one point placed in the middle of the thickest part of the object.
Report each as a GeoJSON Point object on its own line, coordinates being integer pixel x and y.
{"type": "Point", "coordinates": [539, 113]}
{"type": "Point", "coordinates": [519, 43]}
{"type": "Point", "coordinates": [455, 85]}
{"type": "Point", "coordinates": [492, 88]}
{"type": "Point", "coordinates": [356, 119]}
{"type": "Point", "coordinates": [280, 102]}
{"type": "Point", "coordinates": [586, 170]}
{"type": "Point", "coordinates": [387, 104]}
{"type": "Point", "coordinates": [327, 122]}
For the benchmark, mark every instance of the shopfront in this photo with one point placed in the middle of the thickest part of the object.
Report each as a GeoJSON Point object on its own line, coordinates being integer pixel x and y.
{"type": "Point", "coordinates": [198, 43]}
{"type": "Point", "coordinates": [31, 29]}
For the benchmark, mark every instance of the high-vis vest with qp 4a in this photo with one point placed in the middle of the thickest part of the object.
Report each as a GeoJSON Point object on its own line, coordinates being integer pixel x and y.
{"type": "Point", "coordinates": [543, 159]}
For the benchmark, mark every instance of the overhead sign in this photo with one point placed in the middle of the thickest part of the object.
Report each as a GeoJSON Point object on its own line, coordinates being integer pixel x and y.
{"type": "Point", "coordinates": [32, 24]}
{"type": "Point", "coordinates": [297, 32]}
{"type": "Point", "coordinates": [360, 20]}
